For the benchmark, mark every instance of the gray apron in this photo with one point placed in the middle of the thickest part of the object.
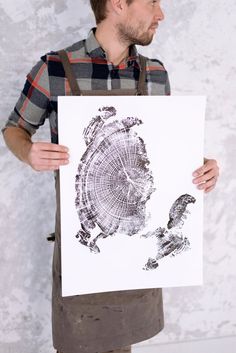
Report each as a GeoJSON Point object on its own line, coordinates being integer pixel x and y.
{"type": "Point", "coordinates": [101, 322]}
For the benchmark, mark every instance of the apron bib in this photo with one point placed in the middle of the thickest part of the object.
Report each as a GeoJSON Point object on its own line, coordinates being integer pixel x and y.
{"type": "Point", "coordinates": [101, 322]}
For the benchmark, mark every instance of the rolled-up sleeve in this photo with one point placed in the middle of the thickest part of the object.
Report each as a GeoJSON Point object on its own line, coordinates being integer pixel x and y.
{"type": "Point", "coordinates": [31, 108]}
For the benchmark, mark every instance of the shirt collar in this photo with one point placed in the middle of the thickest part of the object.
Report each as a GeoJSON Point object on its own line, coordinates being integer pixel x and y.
{"type": "Point", "coordinates": [94, 50]}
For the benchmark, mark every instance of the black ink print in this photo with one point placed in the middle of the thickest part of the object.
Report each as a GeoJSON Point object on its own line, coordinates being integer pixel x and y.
{"type": "Point", "coordinates": [113, 182]}
{"type": "Point", "coordinates": [178, 210]}
{"type": "Point", "coordinates": [171, 242]}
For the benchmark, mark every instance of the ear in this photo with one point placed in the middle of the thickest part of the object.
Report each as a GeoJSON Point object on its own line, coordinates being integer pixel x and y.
{"type": "Point", "coordinates": [117, 5]}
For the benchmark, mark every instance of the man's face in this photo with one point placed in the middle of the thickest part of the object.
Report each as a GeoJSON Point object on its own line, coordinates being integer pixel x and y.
{"type": "Point", "coordinates": [140, 22]}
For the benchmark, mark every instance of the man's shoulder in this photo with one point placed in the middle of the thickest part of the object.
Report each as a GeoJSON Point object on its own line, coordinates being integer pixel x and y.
{"type": "Point", "coordinates": [73, 50]}
{"type": "Point", "coordinates": [78, 47]}
{"type": "Point", "coordinates": [155, 65]}
{"type": "Point", "coordinates": [157, 76]}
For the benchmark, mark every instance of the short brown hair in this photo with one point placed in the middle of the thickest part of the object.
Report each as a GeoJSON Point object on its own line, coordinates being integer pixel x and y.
{"type": "Point", "coordinates": [99, 9]}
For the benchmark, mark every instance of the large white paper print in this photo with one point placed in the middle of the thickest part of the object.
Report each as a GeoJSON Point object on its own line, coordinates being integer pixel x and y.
{"type": "Point", "coordinates": [130, 215]}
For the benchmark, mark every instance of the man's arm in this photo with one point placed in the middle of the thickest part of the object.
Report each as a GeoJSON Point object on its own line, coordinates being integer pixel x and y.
{"type": "Point", "coordinates": [29, 114]}
{"type": "Point", "coordinates": [41, 156]}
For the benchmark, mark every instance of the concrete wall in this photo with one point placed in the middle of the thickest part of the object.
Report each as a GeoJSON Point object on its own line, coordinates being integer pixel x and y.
{"type": "Point", "coordinates": [197, 43]}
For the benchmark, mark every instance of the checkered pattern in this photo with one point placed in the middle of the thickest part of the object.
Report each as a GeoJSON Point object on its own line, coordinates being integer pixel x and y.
{"type": "Point", "coordinates": [46, 81]}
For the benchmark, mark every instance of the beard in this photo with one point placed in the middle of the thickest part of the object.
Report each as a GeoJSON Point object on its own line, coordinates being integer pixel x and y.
{"type": "Point", "coordinates": [130, 35]}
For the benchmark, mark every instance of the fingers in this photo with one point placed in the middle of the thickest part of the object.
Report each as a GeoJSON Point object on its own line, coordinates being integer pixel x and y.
{"type": "Point", "coordinates": [209, 189]}
{"type": "Point", "coordinates": [54, 155]}
{"type": "Point", "coordinates": [47, 146]}
{"type": "Point", "coordinates": [206, 176]}
{"type": "Point", "coordinates": [44, 156]}
{"type": "Point", "coordinates": [48, 164]}
{"type": "Point", "coordinates": [209, 184]}
{"type": "Point", "coordinates": [210, 164]}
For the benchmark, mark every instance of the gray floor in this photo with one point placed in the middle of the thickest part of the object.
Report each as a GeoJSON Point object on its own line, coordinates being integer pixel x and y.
{"type": "Point", "coordinates": [221, 345]}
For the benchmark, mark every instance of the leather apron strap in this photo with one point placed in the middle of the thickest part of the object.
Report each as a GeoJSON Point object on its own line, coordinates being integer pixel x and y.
{"type": "Point", "coordinates": [142, 85]}
{"type": "Point", "coordinates": [69, 73]}
{"type": "Point", "coordinates": [75, 90]}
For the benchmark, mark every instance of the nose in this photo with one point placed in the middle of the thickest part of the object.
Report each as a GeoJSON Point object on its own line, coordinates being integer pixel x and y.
{"type": "Point", "coordinates": [159, 14]}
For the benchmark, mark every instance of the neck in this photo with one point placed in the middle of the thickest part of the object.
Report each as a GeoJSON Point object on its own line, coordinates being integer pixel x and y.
{"type": "Point", "coordinates": [108, 39]}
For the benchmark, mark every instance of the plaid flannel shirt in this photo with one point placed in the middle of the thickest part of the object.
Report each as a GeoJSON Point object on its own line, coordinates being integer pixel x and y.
{"type": "Point", "coordinates": [47, 81]}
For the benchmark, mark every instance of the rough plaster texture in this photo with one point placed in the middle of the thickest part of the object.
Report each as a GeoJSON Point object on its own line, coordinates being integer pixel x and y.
{"type": "Point", "coordinates": [197, 43]}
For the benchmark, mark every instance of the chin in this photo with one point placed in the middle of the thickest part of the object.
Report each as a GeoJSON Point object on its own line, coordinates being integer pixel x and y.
{"type": "Point", "coordinates": [145, 41]}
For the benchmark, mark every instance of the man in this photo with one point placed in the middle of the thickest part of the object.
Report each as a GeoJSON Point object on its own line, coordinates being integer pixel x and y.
{"type": "Point", "coordinates": [105, 63]}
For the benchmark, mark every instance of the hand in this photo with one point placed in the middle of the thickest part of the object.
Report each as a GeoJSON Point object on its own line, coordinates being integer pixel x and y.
{"type": "Point", "coordinates": [206, 176]}
{"type": "Point", "coordinates": [45, 156]}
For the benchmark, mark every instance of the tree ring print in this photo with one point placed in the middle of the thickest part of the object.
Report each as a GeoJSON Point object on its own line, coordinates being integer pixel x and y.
{"type": "Point", "coordinates": [113, 184]}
